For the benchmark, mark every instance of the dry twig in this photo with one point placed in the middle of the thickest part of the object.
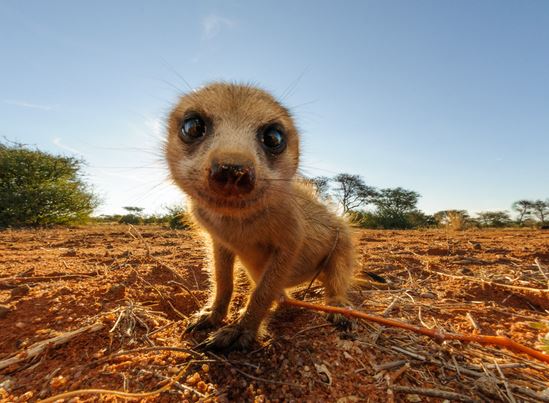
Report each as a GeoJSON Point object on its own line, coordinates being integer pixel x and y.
{"type": "Point", "coordinates": [138, 395]}
{"type": "Point", "coordinates": [482, 281]}
{"type": "Point", "coordinates": [500, 341]}
{"type": "Point", "coordinates": [39, 347]}
{"type": "Point", "coordinates": [433, 393]}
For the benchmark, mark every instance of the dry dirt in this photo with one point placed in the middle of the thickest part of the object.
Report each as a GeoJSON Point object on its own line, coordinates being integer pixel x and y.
{"type": "Point", "coordinates": [139, 285]}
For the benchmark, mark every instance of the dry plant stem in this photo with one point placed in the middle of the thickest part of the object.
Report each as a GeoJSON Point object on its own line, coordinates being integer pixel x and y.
{"type": "Point", "coordinates": [39, 347]}
{"type": "Point", "coordinates": [45, 278]}
{"type": "Point", "coordinates": [138, 395]}
{"type": "Point", "coordinates": [505, 383]}
{"type": "Point", "coordinates": [540, 268]}
{"type": "Point", "coordinates": [178, 385]}
{"type": "Point", "coordinates": [479, 280]}
{"type": "Point", "coordinates": [432, 393]}
{"type": "Point", "coordinates": [143, 350]}
{"type": "Point", "coordinates": [255, 378]}
{"type": "Point", "coordinates": [167, 267]}
{"type": "Point", "coordinates": [500, 341]}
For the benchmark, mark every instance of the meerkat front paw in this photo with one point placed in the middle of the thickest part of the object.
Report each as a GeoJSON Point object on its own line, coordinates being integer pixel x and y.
{"type": "Point", "coordinates": [205, 319]}
{"type": "Point", "coordinates": [231, 337]}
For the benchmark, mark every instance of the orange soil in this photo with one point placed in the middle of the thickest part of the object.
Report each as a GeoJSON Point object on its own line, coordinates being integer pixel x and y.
{"type": "Point", "coordinates": [56, 280]}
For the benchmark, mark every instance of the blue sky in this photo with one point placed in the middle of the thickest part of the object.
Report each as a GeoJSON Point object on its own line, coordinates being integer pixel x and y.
{"type": "Point", "coordinates": [448, 98]}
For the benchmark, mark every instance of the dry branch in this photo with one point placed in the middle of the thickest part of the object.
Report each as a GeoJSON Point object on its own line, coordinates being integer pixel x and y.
{"type": "Point", "coordinates": [500, 341]}
{"type": "Point", "coordinates": [482, 281]}
{"type": "Point", "coordinates": [432, 393]}
{"type": "Point", "coordinates": [39, 347]}
{"type": "Point", "coordinates": [138, 395]}
{"type": "Point", "coordinates": [540, 268]}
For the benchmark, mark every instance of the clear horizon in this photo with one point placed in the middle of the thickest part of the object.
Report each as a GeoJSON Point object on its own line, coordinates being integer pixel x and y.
{"type": "Point", "coordinates": [448, 99]}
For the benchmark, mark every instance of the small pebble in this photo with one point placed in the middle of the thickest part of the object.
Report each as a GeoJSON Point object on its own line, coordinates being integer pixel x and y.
{"type": "Point", "coordinates": [20, 291]}
{"type": "Point", "coordinates": [193, 379]}
{"type": "Point", "coordinates": [4, 310]}
{"type": "Point", "coordinates": [58, 382]}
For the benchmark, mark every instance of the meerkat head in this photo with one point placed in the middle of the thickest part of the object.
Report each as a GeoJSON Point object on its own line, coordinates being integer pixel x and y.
{"type": "Point", "coordinates": [232, 148]}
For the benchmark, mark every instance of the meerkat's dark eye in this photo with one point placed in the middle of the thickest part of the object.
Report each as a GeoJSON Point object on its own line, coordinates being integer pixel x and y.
{"type": "Point", "coordinates": [272, 138]}
{"type": "Point", "coordinates": [192, 129]}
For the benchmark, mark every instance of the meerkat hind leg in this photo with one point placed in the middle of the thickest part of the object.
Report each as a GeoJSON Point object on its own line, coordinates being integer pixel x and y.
{"type": "Point", "coordinates": [337, 281]}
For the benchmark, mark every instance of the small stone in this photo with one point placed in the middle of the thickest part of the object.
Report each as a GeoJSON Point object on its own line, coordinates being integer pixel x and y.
{"type": "Point", "coordinates": [117, 291]}
{"type": "Point", "coordinates": [345, 345]}
{"type": "Point", "coordinates": [64, 291]}
{"type": "Point", "coordinates": [6, 384]}
{"type": "Point", "coordinates": [58, 382]}
{"type": "Point", "coordinates": [4, 310]}
{"type": "Point", "coordinates": [201, 386]}
{"type": "Point", "coordinates": [193, 379]}
{"type": "Point", "coordinates": [20, 291]}
{"type": "Point", "coordinates": [467, 271]}
{"type": "Point", "coordinates": [25, 397]}
{"type": "Point", "coordinates": [71, 252]}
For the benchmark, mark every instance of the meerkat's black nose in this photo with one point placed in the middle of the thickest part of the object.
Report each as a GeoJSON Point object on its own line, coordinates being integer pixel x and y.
{"type": "Point", "coordinates": [231, 179]}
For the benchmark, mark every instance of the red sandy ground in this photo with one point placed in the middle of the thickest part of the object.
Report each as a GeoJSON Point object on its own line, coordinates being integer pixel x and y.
{"type": "Point", "coordinates": [56, 280]}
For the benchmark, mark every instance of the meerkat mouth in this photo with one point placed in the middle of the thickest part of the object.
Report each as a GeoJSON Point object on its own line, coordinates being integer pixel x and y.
{"type": "Point", "coordinates": [236, 203]}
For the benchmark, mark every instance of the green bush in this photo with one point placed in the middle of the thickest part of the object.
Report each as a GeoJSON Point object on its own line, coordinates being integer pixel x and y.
{"type": "Point", "coordinates": [130, 219]}
{"type": "Point", "coordinates": [38, 188]}
{"type": "Point", "coordinates": [379, 220]}
{"type": "Point", "coordinates": [494, 219]}
{"type": "Point", "coordinates": [178, 218]}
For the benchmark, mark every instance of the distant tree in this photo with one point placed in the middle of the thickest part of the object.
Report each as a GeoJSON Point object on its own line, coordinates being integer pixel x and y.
{"type": "Point", "coordinates": [540, 209]}
{"type": "Point", "coordinates": [134, 216]}
{"type": "Point", "coordinates": [496, 219]}
{"type": "Point", "coordinates": [395, 201]}
{"type": "Point", "coordinates": [394, 207]}
{"type": "Point", "coordinates": [369, 219]}
{"type": "Point", "coordinates": [524, 209]}
{"type": "Point", "coordinates": [418, 219]}
{"type": "Point", "coordinates": [321, 185]}
{"type": "Point", "coordinates": [39, 188]}
{"type": "Point", "coordinates": [352, 192]}
{"type": "Point", "coordinates": [134, 210]}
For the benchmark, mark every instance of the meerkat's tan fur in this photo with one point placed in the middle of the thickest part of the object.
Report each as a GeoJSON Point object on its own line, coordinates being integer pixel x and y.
{"type": "Point", "coordinates": [279, 230]}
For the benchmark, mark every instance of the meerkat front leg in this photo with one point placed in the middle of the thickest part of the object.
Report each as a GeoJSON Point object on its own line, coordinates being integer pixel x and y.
{"type": "Point", "coordinates": [241, 334]}
{"type": "Point", "coordinates": [215, 312]}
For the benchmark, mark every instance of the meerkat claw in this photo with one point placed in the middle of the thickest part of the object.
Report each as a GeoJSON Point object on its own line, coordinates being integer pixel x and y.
{"type": "Point", "coordinates": [202, 321]}
{"type": "Point", "coordinates": [340, 321]}
{"type": "Point", "coordinates": [228, 338]}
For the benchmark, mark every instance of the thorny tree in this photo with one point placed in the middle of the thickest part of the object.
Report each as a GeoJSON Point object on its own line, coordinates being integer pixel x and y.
{"type": "Point", "coordinates": [541, 210]}
{"type": "Point", "coordinates": [352, 192]}
{"type": "Point", "coordinates": [523, 209]}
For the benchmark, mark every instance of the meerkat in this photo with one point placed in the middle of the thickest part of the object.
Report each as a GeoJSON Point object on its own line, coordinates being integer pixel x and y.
{"type": "Point", "coordinates": [234, 150]}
